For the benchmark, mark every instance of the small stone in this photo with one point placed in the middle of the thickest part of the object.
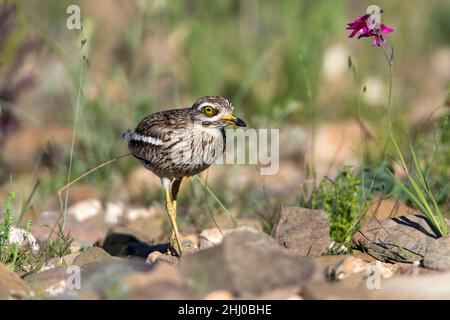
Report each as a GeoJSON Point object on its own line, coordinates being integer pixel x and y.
{"type": "Point", "coordinates": [193, 238]}
{"type": "Point", "coordinates": [437, 256]}
{"type": "Point", "coordinates": [91, 255]}
{"type": "Point", "coordinates": [347, 267]}
{"type": "Point", "coordinates": [209, 238]}
{"type": "Point", "coordinates": [153, 257]}
{"type": "Point", "coordinates": [351, 265]}
{"type": "Point", "coordinates": [305, 232]}
{"type": "Point", "coordinates": [23, 238]}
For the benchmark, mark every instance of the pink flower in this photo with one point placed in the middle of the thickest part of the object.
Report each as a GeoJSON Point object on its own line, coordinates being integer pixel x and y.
{"type": "Point", "coordinates": [359, 27]}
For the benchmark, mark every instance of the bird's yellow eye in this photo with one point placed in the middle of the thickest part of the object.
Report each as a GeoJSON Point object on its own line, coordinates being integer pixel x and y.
{"type": "Point", "coordinates": [209, 111]}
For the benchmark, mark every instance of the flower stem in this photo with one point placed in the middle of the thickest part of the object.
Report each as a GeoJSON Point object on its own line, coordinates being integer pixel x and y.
{"type": "Point", "coordinates": [390, 61]}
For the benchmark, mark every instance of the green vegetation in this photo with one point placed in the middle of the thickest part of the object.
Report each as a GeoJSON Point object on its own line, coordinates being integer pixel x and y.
{"type": "Point", "coordinates": [14, 255]}
{"type": "Point", "coordinates": [419, 191]}
{"type": "Point", "coordinates": [343, 199]}
{"type": "Point", "coordinates": [26, 257]}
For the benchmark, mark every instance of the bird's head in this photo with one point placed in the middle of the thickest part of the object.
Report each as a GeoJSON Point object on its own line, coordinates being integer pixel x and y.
{"type": "Point", "coordinates": [215, 111]}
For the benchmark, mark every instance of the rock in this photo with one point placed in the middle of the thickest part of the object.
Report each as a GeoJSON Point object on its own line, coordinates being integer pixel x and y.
{"type": "Point", "coordinates": [209, 238]}
{"type": "Point", "coordinates": [348, 266]}
{"type": "Point", "coordinates": [193, 239]}
{"type": "Point", "coordinates": [91, 255]}
{"type": "Point", "coordinates": [153, 257]}
{"type": "Point", "coordinates": [403, 238]}
{"type": "Point", "coordinates": [437, 255]}
{"type": "Point", "coordinates": [23, 238]}
{"type": "Point", "coordinates": [49, 282]}
{"type": "Point", "coordinates": [303, 231]}
{"type": "Point", "coordinates": [66, 260]}
{"type": "Point", "coordinates": [11, 284]}
{"type": "Point", "coordinates": [105, 278]}
{"type": "Point", "coordinates": [164, 282]}
{"type": "Point", "coordinates": [351, 265]}
{"type": "Point", "coordinates": [324, 264]}
{"type": "Point", "coordinates": [247, 263]}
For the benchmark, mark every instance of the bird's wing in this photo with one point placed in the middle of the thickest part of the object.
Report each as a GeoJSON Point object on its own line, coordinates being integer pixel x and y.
{"type": "Point", "coordinates": [155, 130]}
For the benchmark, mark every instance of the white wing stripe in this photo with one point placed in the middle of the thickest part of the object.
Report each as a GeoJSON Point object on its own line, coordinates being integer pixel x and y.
{"type": "Point", "coordinates": [146, 139]}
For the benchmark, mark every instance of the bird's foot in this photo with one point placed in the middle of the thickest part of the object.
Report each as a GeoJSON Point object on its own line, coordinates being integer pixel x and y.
{"type": "Point", "coordinates": [174, 248]}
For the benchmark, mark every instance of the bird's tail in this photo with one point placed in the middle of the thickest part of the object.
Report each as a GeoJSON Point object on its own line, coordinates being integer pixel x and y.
{"type": "Point", "coordinates": [127, 135]}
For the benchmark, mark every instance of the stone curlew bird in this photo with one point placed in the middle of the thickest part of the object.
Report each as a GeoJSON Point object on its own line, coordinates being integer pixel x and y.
{"type": "Point", "coordinates": [179, 143]}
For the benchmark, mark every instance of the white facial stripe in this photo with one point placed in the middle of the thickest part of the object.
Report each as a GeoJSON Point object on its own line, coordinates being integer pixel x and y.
{"type": "Point", "coordinates": [146, 139]}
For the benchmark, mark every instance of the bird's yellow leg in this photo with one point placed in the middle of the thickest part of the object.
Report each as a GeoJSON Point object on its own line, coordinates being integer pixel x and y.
{"type": "Point", "coordinates": [173, 238]}
{"type": "Point", "coordinates": [171, 207]}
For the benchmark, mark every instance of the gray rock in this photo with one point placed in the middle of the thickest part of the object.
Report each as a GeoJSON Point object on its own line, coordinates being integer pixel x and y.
{"type": "Point", "coordinates": [91, 255]}
{"type": "Point", "coordinates": [247, 263]}
{"type": "Point", "coordinates": [403, 239]}
{"type": "Point", "coordinates": [303, 231]}
{"type": "Point", "coordinates": [437, 256]}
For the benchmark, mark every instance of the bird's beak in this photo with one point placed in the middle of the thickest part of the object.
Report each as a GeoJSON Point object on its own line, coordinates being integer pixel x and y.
{"type": "Point", "coordinates": [231, 119]}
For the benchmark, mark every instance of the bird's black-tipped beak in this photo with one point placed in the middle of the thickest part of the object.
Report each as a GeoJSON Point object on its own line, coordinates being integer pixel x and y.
{"type": "Point", "coordinates": [231, 119]}
{"type": "Point", "coordinates": [240, 123]}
